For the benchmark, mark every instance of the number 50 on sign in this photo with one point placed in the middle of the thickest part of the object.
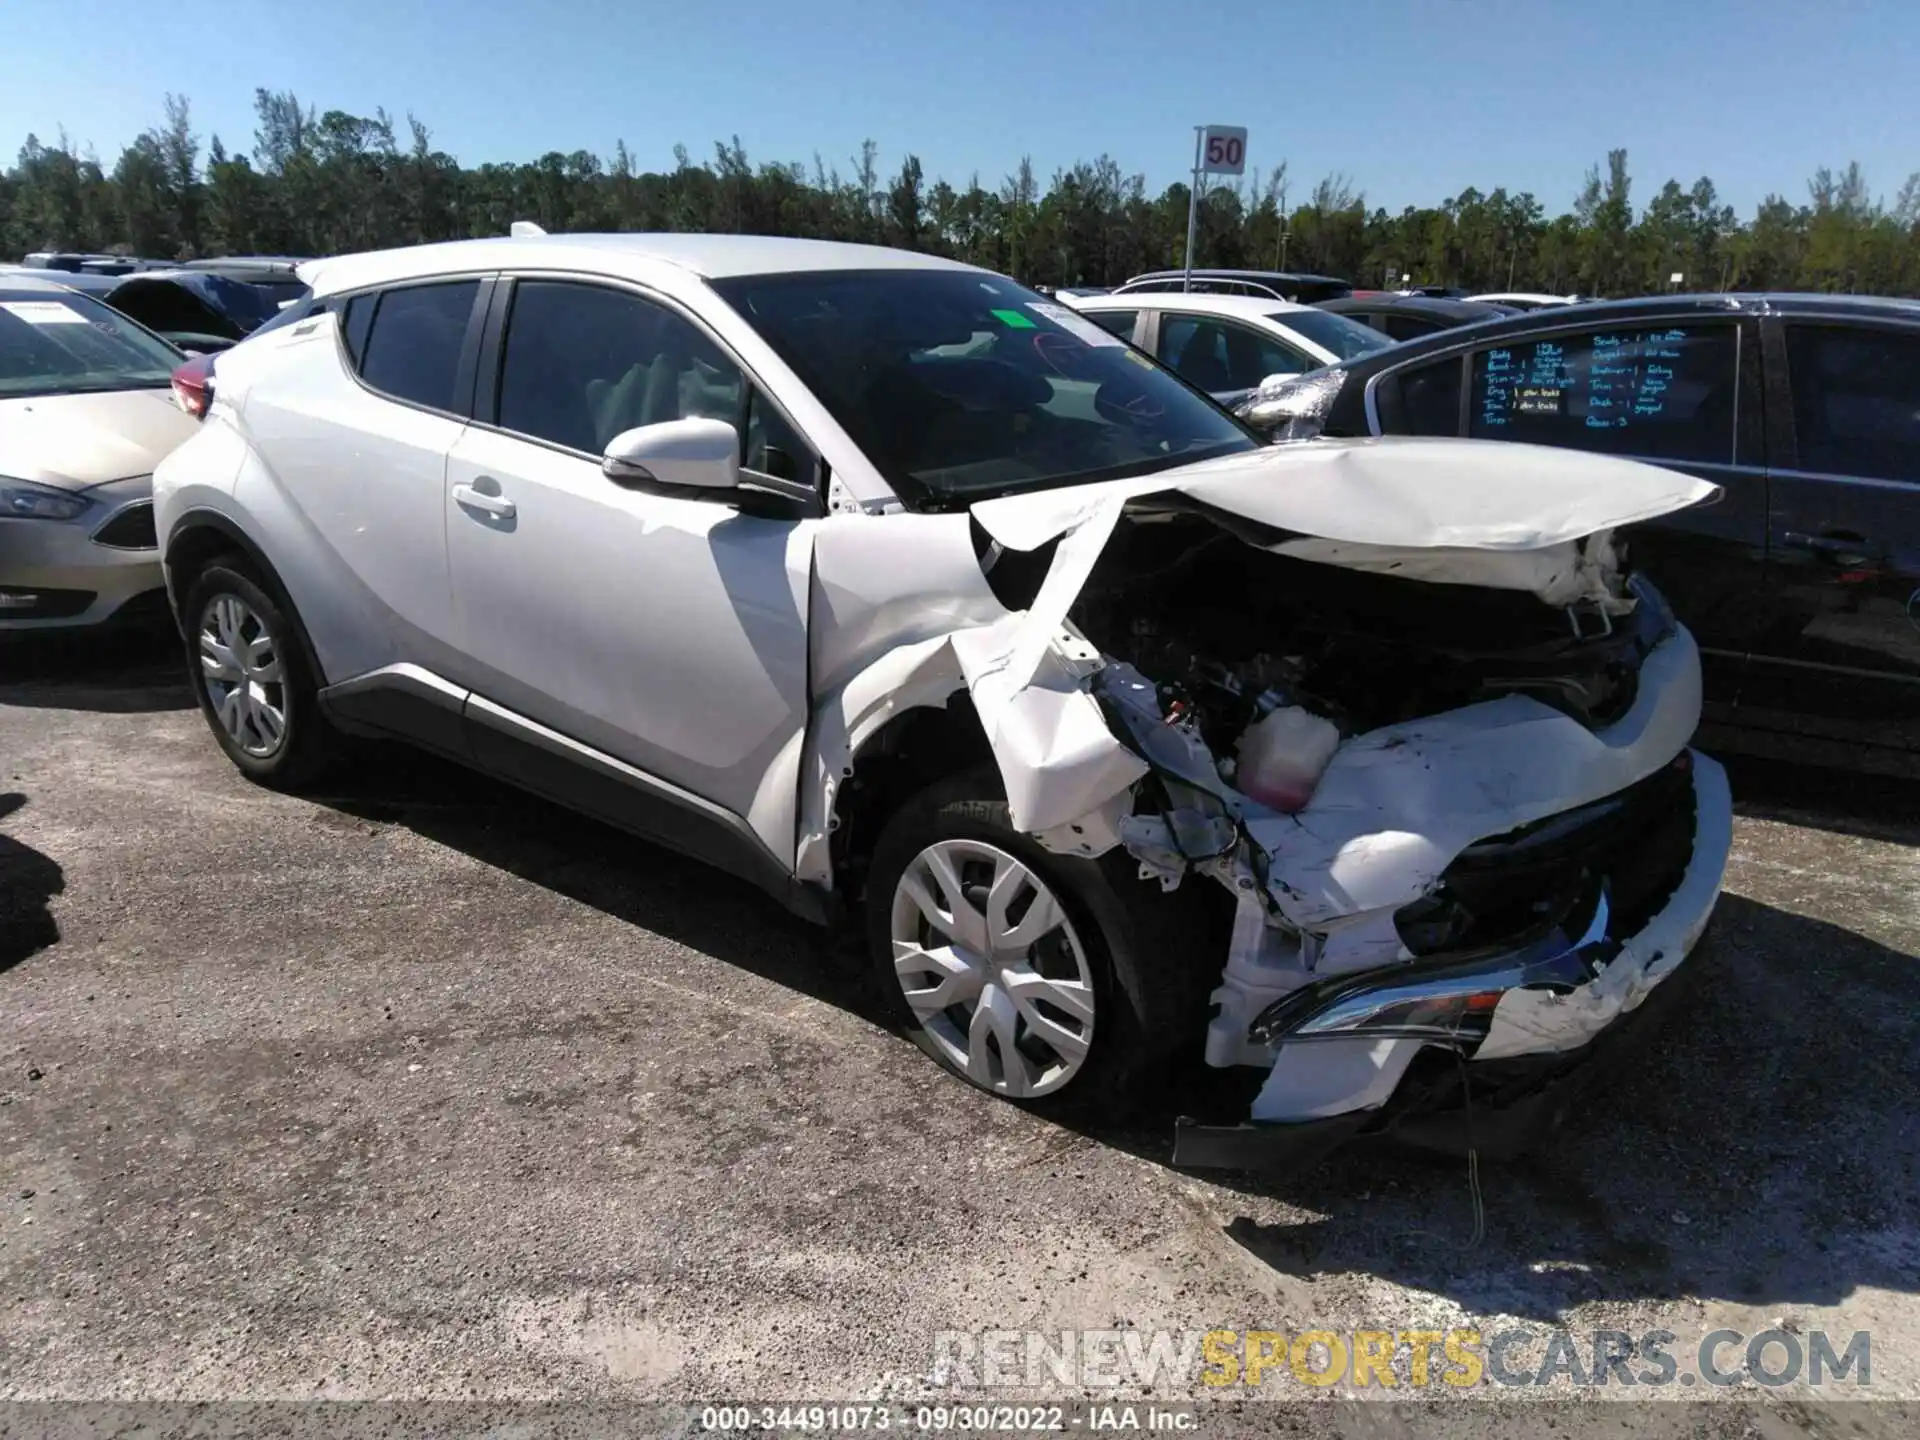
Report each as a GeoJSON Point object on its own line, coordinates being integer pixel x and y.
{"type": "Point", "coordinates": [1223, 150]}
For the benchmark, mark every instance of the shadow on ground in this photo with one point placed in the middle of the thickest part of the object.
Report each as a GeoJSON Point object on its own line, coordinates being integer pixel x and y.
{"type": "Point", "coordinates": [1764, 1151]}
{"type": "Point", "coordinates": [131, 671]}
{"type": "Point", "coordinates": [28, 881]}
{"type": "Point", "coordinates": [1875, 807]}
{"type": "Point", "coordinates": [616, 873]}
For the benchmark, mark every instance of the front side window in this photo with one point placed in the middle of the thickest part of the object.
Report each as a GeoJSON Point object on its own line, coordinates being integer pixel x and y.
{"type": "Point", "coordinates": [583, 363]}
{"type": "Point", "coordinates": [1219, 356]}
{"type": "Point", "coordinates": [958, 385]}
{"type": "Point", "coordinates": [1120, 322]}
{"type": "Point", "coordinates": [1856, 400]}
{"type": "Point", "coordinates": [413, 349]}
{"type": "Point", "coordinates": [53, 343]}
{"type": "Point", "coordinates": [1663, 392]}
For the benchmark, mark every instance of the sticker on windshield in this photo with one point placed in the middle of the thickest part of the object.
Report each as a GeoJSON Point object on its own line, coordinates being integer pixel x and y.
{"type": "Point", "coordinates": [43, 312]}
{"type": "Point", "coordinates": [1013, 319]}
{"type": "Point", "coordinates": [1076, 325]}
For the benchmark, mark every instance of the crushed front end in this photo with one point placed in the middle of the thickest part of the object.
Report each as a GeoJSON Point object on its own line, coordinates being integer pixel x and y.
{"type": "Point", "coordinates": [1447, 787]}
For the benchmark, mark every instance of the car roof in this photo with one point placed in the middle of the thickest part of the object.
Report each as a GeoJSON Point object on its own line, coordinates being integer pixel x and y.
{"type": "Point", "coordinates": [1640, 309]}
{"type": "Point", "coordinates": [710, 257]}
{"type": "Point", "coordinates": [30, 280]}
{"type": "Point", "coordinates": [1287, 275]}
{"type": "Point", "coordinates": [1246, 307]}
{"type": "Point", "coordinates": [26, 284]}
{"type": "Point", "coordinates": [1494, 297]}
{"type": "Point", "coordinates": [1433, 305]}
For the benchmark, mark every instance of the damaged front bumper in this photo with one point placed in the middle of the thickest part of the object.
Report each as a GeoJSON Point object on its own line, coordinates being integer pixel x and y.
{"type": "Point", "coordinates": [1487, 1049]}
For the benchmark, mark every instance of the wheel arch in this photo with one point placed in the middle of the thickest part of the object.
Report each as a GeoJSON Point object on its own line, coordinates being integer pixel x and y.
{"type": "Point", "coordinates": [914, 748]}
{"type": "Point", "coordinates": [202, 536]}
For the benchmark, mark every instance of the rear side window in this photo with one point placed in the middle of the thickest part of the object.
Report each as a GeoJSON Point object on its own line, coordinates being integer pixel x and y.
{"type": "Point", "coordinates": [1660, 392]}
{"type": "Point", "coordinates": [1429, 399]}
{"type": "Point", "coordinates": [355, 321]}
{"type": "Point", "coordinates": [412, 351]}
{"type": "Point", "coordinates": [1856, 400]}
{"type": "Point", "coordinates": [1409, 327]}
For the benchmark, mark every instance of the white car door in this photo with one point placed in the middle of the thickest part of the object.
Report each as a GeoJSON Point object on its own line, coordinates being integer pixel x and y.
{"type": "Point", "coordinates": [642, 654]}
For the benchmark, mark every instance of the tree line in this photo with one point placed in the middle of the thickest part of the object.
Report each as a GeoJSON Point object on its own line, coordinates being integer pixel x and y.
{"type": "Point", "coordinates": [319, 183]}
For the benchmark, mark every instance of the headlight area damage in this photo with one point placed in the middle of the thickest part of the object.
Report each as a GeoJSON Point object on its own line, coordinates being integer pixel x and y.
{"type": "Point", "coordinates": [1402, 701]}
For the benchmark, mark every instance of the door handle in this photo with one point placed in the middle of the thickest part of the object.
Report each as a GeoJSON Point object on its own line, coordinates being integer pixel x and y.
{"type": "Point", "coordinates": [1853, 553]}
{"type": "Point", "coordinates": [1826, 544]}
{"type": "Point", "coordinates": [497, 506]}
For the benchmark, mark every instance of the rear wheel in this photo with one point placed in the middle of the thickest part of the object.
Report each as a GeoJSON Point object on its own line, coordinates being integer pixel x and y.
{"type": "Point", "coordinates": [253, 681]}
{"type": "Point", "coordinates": [1045, 979]}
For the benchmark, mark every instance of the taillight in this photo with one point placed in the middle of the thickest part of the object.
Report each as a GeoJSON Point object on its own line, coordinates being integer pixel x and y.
{"type": "Point", "coordinates": [193, 386]}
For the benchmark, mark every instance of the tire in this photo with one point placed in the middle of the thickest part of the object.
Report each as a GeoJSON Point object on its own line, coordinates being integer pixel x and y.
{"type": "Point", "coordinates": [274, 731]}
{"type": "Point", "coordinates": [1147, 985]}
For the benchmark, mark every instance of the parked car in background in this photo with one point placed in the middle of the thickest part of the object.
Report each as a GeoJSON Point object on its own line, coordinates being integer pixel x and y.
{"type": "Point", "coordinates": [71, 261]}
{"type": "Point", "coordinates": [275, 274]}
{"type": "Point", "coordinates": [1524, 300]}
{"type": "Point", "coordinates": [923, 601]}
{"type": "Point", "coordinates": [196, 310]}
{"type": "Point", "coordinates": [190, 309]}
{"type": "Point", "coordinates": [1434, 292]}
{"type": "Point", "coordinates": [85, 415]}
{"type": "Point", "coordinates": [1270, 284]}
{"type": "Point", "coordinates": [1408, 317]}
{"type": "Point", "coordinates": [1227, 345]}
{"type": "Point", "coordinates": [1803, 583]}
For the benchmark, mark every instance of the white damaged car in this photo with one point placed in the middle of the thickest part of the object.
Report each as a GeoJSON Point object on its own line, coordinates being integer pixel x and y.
{"type": "Point", "coordinates": [928, 605]}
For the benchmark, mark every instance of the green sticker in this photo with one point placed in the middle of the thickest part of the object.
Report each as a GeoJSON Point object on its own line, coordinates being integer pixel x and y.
{"type": "Point", "coordinates": [1013, 320]}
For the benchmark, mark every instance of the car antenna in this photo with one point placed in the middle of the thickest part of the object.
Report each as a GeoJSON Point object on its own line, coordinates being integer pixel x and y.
{"type": "Point", "coordinates": [525, 230]}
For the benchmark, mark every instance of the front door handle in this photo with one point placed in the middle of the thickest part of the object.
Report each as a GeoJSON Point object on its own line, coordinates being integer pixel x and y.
{"type": "Point", "coordinates": [497, 506]}
{"type": "Point", "coordinates": [1827, 544]}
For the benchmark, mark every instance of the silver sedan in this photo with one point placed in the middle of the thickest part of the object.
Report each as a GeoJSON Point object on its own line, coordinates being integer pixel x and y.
{"type": "Point", "coordinates": [86, 412]}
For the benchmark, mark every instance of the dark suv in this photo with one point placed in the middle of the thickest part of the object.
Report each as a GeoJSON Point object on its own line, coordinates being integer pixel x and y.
{"type": "Point", "coordinates": [1803, 583]}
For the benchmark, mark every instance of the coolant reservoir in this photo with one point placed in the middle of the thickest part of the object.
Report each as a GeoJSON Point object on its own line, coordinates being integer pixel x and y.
{"type": "Point", "coordinates": [1282, 756]}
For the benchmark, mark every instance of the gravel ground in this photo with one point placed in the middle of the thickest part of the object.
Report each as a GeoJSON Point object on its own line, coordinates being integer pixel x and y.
{"type": "Point", "coordinates": [425, 1090]}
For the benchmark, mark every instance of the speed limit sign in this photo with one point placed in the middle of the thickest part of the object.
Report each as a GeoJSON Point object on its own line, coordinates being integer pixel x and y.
{"type": "Point", "coordinates": [1223, 150]}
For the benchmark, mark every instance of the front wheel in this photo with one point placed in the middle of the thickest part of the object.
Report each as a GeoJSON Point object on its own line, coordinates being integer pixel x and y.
{"type": "Point", "coordinates": [253, 682]}
{"type": "Point", "coordinates": [1039, 977]}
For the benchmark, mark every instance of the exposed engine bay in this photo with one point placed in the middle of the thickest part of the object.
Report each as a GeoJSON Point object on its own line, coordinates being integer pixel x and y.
{"type": "Point", "coordinates": [1232, 632]}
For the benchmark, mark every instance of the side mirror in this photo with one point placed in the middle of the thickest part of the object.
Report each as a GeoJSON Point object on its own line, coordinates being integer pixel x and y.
{"type": "Point", "coordinates": [1272, 380]}
{"type": "Point", "coordinates": [678, 454]}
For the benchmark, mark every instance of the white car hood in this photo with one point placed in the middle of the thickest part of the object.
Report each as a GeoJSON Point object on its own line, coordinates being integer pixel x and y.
{"type": "Point", "coordinates": [75, 441]}
{"type": "Point", "coordinates": [1461, 511]}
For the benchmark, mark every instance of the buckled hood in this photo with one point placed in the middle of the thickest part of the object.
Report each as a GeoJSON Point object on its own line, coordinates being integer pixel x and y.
{"type": "Point", "coordinates": [1450, 511]}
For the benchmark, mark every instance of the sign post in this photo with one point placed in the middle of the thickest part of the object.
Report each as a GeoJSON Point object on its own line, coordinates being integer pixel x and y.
{"type": "Point", "coordinates": [1217, 150]}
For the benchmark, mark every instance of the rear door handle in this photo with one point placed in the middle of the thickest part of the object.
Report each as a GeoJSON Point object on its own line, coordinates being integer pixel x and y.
{"type": "Point", "coordinates": [1826, 544]}
{"type": "Point", "coordinates": [497, 506]}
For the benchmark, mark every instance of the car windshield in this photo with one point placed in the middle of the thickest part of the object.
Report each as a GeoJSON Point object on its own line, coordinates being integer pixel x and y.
{"type": "Point", "coordinates": [960, 385]}
{"type": "Point", "coordinates": [62, 344]}
{"type": "Point", "coordinates": [1345, 338]}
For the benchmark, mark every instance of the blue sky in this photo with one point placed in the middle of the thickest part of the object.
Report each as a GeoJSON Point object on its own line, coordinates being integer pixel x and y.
{"type": "Point", "coordinates": [1412, 99]}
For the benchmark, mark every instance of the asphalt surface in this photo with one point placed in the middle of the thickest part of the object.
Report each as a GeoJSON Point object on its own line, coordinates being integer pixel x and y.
{"type": "Point", "coordinates": [425, 1090]}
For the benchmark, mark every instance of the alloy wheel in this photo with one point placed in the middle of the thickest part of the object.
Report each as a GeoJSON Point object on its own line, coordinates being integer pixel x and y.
{"type": "Point", "coordinates": [992, 969]}
{"type": "Point", "coordinates": [246, 682]}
